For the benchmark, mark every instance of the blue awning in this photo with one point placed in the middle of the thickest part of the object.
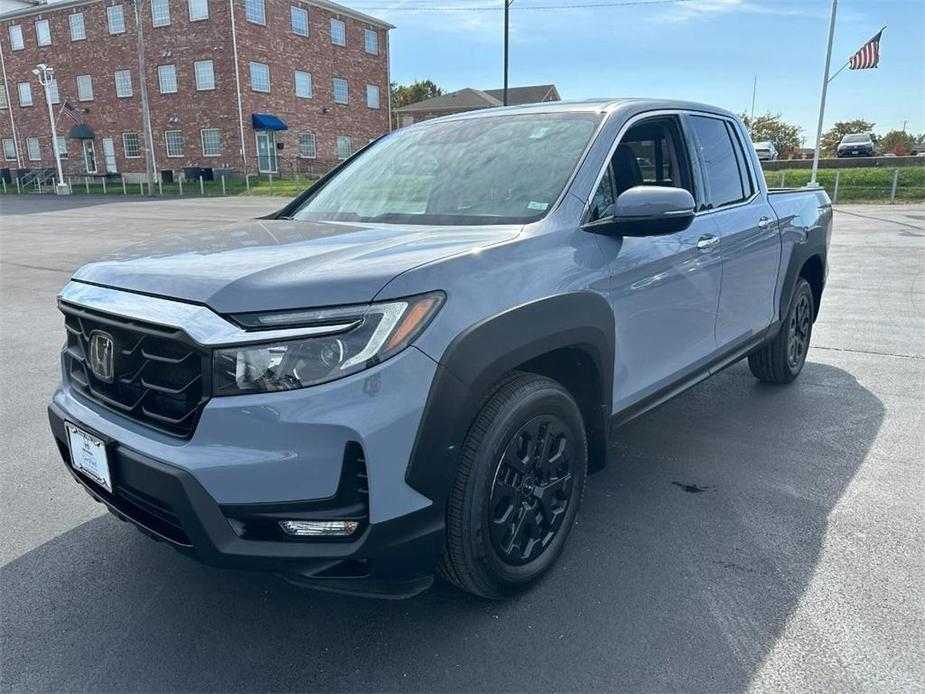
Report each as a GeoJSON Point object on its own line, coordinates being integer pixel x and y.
{"type": "Point", "coordinates": [267, 121]}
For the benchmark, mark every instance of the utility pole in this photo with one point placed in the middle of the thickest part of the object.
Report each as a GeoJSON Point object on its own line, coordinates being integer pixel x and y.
{"type": "Point", "coordinates": [143, 88]}
{"type": "Point", "coordinates": [45, 75]}
{"type": "Point", "coordinates": [507, 8]}
{"type": "Point", "coordinates": [754, 93]}
{"type": "Point", "coordinates": [825, 84]}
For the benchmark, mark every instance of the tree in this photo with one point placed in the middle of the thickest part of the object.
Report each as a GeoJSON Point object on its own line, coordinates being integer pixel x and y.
{"type": "Point", "coordinates": [831, 138]}
{"type": "Point", "coordinates": [402, 94]}
{"type": "Point", "coordinates": [899, 142]}
{"type": "Point", "coordinates": [785, 136]}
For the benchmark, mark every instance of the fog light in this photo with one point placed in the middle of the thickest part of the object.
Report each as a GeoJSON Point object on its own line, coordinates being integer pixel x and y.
{"type": "Point", "coordinates": [335, 528]}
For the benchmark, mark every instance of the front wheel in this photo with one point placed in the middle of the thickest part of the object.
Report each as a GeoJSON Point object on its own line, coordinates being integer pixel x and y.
{"type": "Point", "coordinates": [782, 360]}
{"type": "Point", "coordinates": [520, 479]}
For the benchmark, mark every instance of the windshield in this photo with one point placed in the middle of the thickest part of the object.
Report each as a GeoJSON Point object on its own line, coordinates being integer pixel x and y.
{"type": "Point", "coordinates": [856, 138]}
{"type": "Point", "coordinates": [493, 170]}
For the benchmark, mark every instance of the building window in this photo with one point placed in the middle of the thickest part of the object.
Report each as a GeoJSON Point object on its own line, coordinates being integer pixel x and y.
{"type": "Point", "coordinates": [42, 32]}
{"type": "Point", "coordinates": [62, 146]}
{"type": "Point", "coordinates": [78, 30]}
{"type": "Point", "coordinates": [160, 13]}
{"type": "Point", "coordinates": [123, 83]}
{"type": "Point", "coordinates": [205, 75]}
{"type": "Point", "coordinates": [131, 145]}
{"type": "Point", "coordinates": [53, 95]}
{"type": "Point", "coordinates": [303, 84]}
{"type": "Point", "coordinates": [84, 88]}
{"type": "Point", "coordinates": [32, 149]}
{"type": "Point", "coordinates": [174, 140]}
{"type": "Point", "coordinates": [343, 147]}
{"type": "Point", "coordinates": [9, 149]}
{"type": "Point", "coordinates": [198, 9]}
{"type": "Point", "coordinates": [16, 42]}
{"type": "Point", "coordinates": [3, 100]}
{"type": "Point", "coordinates": [25, 93]}
{"type": "Point", "coordinates": [298, 19]}
{"type": "Point", "coordinates": [341, 95]}
{"type": "Point", "coordinates": [371, 43]}
{"type": "Point", "coordinates": [372, 96]}
{"type": "Point", "coordinates": [167, 79]}
{"type": "Point", "coordinates": [211, 145]}
{"type": "Point", "coordinates": [307, 146]}
{"type": "Point", "coordinates": [338, 32]}
{"type": "Point", "coordinates": [260, 77]}
{"type": "Point", "coordinates": [115, 17]}
{"type": "Point", "coordinates": [255, 11]}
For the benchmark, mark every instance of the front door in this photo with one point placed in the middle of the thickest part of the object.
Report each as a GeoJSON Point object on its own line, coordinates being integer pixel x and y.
{"type": "Point", "coordinates": [266, 151]}
{"type": "Point", "coordinates": [89, 157]}
{"type": "Point", "coordinates": [109, 155]}
{"type": "Point", "coordinates": [665, 289]}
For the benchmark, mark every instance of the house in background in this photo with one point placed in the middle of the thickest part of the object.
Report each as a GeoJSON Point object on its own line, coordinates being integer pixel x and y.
{"type": "Point", "coordinates": [469, 99]}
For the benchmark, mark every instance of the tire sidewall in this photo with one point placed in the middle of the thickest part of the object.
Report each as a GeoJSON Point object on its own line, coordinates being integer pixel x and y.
{"type": "Point", "coordinates": [801, 289]}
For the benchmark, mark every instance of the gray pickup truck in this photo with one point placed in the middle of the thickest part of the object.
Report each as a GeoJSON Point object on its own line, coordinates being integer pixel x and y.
{"type": "Point", "coordinates": [412, 368]}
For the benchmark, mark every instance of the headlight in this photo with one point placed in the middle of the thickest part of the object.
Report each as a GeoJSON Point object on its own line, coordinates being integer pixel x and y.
{"type": "Point", "coordinates": [356, 338]}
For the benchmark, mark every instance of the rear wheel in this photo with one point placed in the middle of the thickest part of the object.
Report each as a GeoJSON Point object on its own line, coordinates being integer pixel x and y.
{"type": "Point", "coordinates": [520, 479]}
{"type": "Point", "coordinates": [782, 360]}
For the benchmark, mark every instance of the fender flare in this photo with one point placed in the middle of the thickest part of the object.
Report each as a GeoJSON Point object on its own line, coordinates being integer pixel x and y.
{"type": "Point", "coordinates": [479, 357]}
{"type": "Point", "coordinates": [813, 245]}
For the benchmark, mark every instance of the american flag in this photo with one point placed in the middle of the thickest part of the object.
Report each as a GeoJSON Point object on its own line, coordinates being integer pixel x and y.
{"type": "Point", "coordinates": [68, 110]}
{"type": "Point", "coordinates": [869, 55]}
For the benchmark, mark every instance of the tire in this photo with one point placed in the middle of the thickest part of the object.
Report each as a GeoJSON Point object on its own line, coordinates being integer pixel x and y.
{"type": "Point", "coordinates": [782, 360]}
{"type": "Point", "coordinates": [518, 486]}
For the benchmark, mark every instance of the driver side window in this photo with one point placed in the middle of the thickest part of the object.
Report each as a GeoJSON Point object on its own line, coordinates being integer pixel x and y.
{"type": "Point", "coordinates": [602, 202]}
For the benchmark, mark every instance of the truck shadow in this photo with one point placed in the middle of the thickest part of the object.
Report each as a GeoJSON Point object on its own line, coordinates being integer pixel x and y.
{"type": "Point", "coordinates": [694, 547]}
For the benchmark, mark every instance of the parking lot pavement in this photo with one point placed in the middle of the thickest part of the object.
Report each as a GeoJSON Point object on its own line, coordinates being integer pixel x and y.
{"type": "Point", "coordinates": [743, 536]}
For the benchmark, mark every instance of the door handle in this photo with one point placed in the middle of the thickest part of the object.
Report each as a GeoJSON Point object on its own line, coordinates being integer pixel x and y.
{"type": "Point", "coordinates": [764, 222]}
{"type": "Point", "coordinates": [707, 241]}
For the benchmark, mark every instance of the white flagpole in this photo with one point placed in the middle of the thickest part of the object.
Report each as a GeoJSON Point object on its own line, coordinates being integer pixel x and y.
{"type": "Point", "coordinates": [825, 85]}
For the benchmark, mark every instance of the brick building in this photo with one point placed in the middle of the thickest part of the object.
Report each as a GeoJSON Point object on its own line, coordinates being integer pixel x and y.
{"type": "Point", "coordinates": [469, 99]}
{"type": "Point", "coordinates": [309, 85]}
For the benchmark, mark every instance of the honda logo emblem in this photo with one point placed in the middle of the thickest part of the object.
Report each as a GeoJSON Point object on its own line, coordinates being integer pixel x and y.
{"type": "Point", "coordinates": [101, 355]}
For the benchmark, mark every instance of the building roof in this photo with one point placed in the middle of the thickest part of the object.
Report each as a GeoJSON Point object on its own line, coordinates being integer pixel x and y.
{"type": "Point", "coordinates": [469, 99]}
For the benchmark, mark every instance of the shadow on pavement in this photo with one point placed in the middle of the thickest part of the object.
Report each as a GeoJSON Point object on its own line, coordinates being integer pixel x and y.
{"type": "Point", "coordinates": [694, 547]}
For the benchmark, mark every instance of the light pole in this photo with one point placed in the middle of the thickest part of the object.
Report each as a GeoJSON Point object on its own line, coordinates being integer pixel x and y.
{"type": "Point", "coordinates": [45, 75]}
{"type": "Point", "coordinates": [507, 9]}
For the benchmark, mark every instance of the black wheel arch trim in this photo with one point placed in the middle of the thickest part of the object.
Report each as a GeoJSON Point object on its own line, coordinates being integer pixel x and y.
{"type": "Point", "coordinates": [814, 246]}
{"type": "Point", "coordinates": [579, 323]}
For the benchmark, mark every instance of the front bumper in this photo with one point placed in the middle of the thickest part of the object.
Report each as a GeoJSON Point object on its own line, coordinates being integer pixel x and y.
{"type": "Point", "coordinates": [389, 559]}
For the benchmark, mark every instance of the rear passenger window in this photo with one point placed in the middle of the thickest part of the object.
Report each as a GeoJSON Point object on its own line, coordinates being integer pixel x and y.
{"type": "Point", "coordinates": [726, 180]}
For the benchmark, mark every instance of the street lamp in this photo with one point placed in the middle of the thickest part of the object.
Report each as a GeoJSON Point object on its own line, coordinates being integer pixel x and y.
{"type": "Point", "coordinates": [44, 73]}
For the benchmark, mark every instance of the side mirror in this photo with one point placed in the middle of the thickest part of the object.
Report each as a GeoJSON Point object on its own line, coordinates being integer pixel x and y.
{"type": "Point", "coordinates": [647, 211]}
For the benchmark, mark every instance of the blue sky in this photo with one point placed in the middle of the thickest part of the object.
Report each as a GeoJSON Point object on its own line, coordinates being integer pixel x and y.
{"type": "Point", "coordinates": [704, 50]}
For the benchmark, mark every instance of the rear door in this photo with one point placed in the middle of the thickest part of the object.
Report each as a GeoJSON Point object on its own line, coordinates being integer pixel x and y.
{"type": "Point", "coordinates": [746, 224]}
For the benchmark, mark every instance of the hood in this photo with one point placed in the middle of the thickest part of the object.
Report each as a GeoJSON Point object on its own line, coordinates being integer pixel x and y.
{"type": "Point", "coordinates": [265, 265]}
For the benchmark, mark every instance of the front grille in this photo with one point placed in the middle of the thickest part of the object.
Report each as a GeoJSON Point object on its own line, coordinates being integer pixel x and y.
{"type": "Point", "coordinates": [160, 376]}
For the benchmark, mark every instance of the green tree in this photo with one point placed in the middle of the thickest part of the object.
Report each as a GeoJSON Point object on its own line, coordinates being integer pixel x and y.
{"type": "Point", "coordinates": [831, 138]}
{"type": "Point", "coordinates": [899, 142]}
{"type": "Point", "coordinates": [785, 136]}
{"type": "Point", "coordinates": [404, 94]}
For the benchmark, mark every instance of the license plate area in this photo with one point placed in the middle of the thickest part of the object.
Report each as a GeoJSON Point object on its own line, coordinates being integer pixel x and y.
{"type": "Point", "coordinates": [89, 456]}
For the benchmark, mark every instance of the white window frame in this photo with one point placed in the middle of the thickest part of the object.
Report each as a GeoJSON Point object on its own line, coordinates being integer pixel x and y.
{"type": "Point", "coordinates": [115, 19]}
{"type": "Point", "coordinates": [255, 12]}
{"type": "Point", "coordinates": [54, 94]}
{"type": "Point", "coordinates": [334, 83]}
{"type": "Point", "coordinates": [199, 6]}
{"type": "Point", "coordinates": [36, 153]}
{"type": "Point", "coordinates": [24, 89]}
{"type": "Point", "coordinates": [4, 101]}
{"type": "Point", "coordinates": [266, 68]}
{"type": "Point", "coordinates": [72, 22]}
{"type": "Point", "coordinates": [82, 94]}
{"type": "Point", "coordinates": [125, 136]}
{"type": "Point", "coordinates": [218, 141]}
{"type": "Point", "coordinates": [295, 79]}
{"type": "Point", "coordinates": [314, 141]}
{"type": "Point", "coordinates": [341, 33]}
{"type": "Point", "coordinates": [160, 13]}
{"type": "Point", "coordinates": [167, 134]}
{"type": "Point", "coordinates": [169, 69]}
{"type": "Point", "coordinates": [200, 86]}
{"type": "Point", "coordinates": [61, 143]}
{"type": "Point", "coordinates": [367, 33]}
{"type": "Point", "coordinates": [370, 90]}
{"type": "Point", "coordinates": [39, 34]}
{"type": "Point", "coordinates": [18, 43]}
{"type": "Point", "coordinates": [126, 81]}
{"type": "Point", "coordinates": [9, 149]}
{"type": "Point", "coordinates": [337, 143]}
{"type": "Point", "coordinates": [299, 12]}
